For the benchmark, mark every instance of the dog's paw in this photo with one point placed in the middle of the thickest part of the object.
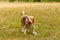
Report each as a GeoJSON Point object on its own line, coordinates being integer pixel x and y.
{"type": "Point", "coordinates": [35, 33]}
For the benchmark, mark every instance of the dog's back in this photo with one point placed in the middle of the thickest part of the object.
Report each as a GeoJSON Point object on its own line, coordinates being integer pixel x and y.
{"type": "Point", "coordinates": [24, 19]}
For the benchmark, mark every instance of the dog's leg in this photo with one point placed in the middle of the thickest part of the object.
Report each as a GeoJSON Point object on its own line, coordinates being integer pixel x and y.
{"type": "Point", "coordinates": [34, 32]}
{"type": "Point", "coordinates": [22, 29]}
{"type": "Point", "coordinates": [25, 31]}
{"type": "Point", "coordinates": [28, 30]}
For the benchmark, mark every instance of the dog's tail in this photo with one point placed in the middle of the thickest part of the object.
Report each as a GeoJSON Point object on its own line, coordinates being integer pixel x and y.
{"type": "Point", "coordinates": [23, 13]}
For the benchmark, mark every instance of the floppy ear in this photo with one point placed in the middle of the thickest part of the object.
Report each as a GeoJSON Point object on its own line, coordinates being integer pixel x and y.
{"type": "Point", "coordinates": [34, 21]}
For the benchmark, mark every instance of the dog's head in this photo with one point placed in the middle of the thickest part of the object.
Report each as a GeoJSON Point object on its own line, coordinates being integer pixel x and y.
{"type": "Point", "coordinates": [30, 20]}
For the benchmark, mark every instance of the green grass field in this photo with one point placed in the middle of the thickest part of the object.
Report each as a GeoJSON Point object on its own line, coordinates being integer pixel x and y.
{"type": "Point", "coordinates": [47, 17]}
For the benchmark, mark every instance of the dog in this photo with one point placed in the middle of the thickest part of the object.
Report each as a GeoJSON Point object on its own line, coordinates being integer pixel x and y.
{"type": "Point", "coordinates": [27, 22]}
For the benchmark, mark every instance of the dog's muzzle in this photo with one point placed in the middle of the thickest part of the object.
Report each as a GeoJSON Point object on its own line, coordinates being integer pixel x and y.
{"type": "Point", "coordinates": [30, 22]}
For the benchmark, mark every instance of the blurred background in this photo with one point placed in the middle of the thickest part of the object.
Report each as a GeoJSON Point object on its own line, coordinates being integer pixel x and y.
{"type": "Point", "coordinates": [31, 0]}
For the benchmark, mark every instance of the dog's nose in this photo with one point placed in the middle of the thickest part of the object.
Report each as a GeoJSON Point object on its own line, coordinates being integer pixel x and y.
{"type": "Point", "coordinates": [30, 21]}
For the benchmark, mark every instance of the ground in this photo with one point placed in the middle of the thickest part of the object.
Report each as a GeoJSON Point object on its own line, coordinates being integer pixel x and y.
{"type": "Point", "coordinates": [47, 20]}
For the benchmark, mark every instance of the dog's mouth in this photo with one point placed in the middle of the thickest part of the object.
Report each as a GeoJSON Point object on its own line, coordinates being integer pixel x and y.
{"type": "Point", "coordinates": [30, 22]}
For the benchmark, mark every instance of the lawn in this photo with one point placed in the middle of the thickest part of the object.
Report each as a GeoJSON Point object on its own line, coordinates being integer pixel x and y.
{"type": "Point", "coordinates": [47, 20]}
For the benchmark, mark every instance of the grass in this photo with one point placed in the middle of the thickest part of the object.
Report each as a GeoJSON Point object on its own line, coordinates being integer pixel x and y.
{"type": "Point", "coordinates": [47, 16]}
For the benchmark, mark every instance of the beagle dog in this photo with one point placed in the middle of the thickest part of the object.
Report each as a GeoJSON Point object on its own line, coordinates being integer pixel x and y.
{"type": "Point", "coordinates": [27, 23]}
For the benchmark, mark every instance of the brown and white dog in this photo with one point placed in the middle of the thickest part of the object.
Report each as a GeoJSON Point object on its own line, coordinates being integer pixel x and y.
{"type": "Point", "coordinates": [27, 22]}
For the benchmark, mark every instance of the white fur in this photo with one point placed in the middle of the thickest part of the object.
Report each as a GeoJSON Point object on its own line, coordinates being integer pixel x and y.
{"type": "Point", "coordinates": [23, 12]}
{"type": "Point", "coordinates": [22, 29]}
{"type": "Point", "coordinates": [35, 33]}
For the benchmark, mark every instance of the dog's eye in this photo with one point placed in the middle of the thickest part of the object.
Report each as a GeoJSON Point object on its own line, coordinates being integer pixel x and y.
{"type": "Point", "coordinates": [27, 19]}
